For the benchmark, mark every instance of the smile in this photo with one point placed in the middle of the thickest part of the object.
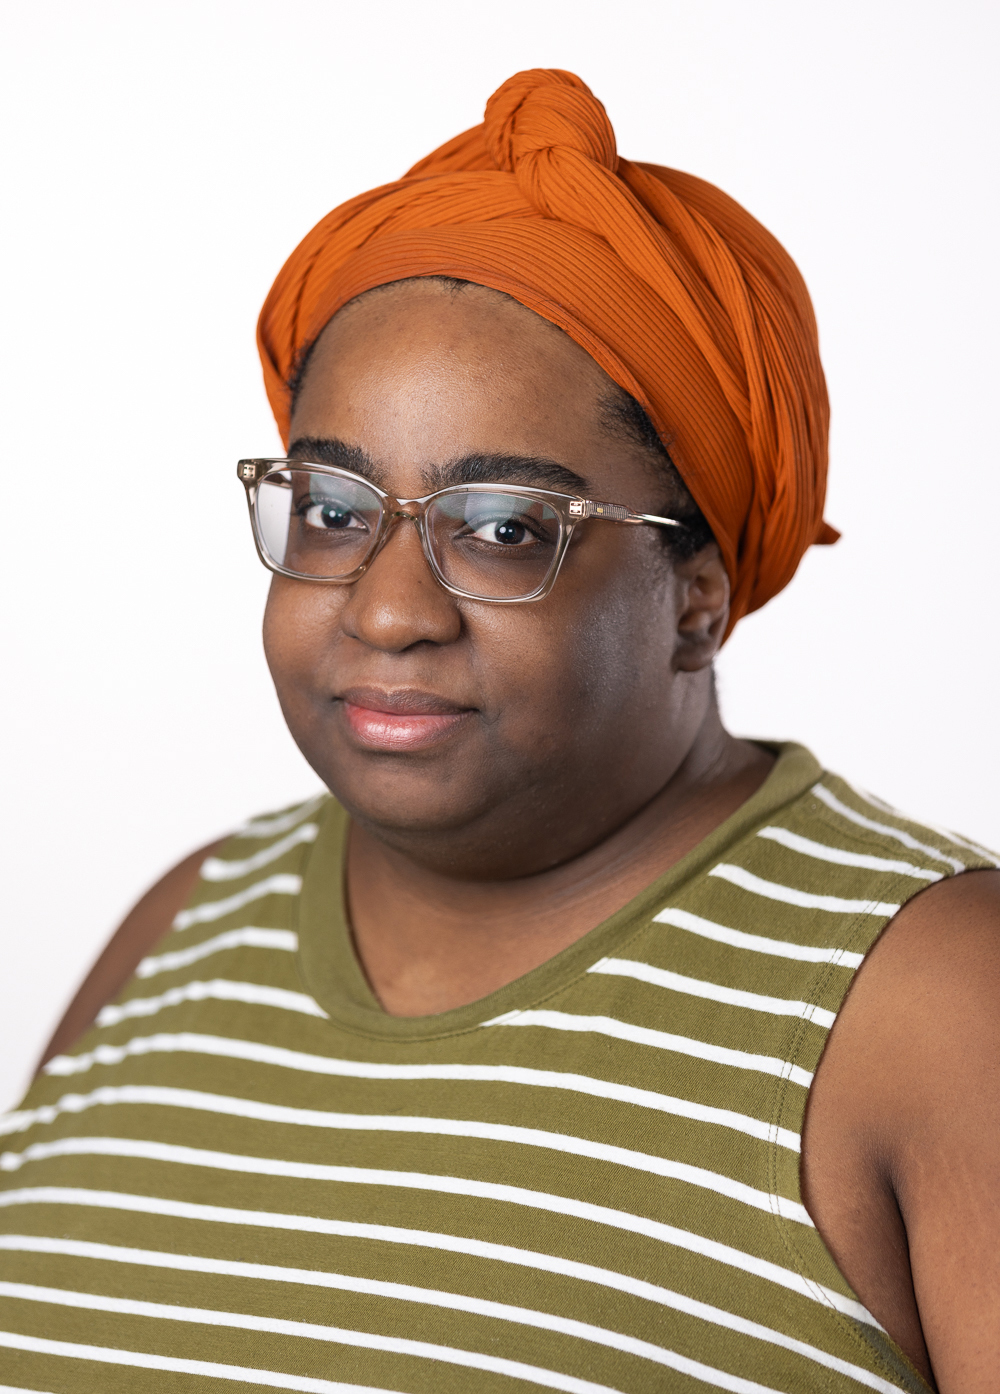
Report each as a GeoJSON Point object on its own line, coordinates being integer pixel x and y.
{"type": "Point", "coordinates": [401, 721]}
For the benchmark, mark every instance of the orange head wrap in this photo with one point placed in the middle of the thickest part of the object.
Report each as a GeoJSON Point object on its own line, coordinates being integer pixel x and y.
{"type": "Point", "coordinates": [673, 288]}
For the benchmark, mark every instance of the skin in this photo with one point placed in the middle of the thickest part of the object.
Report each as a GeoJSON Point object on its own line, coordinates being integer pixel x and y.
{"type": "Point", "coordinates": [502, 805]}
{"type": "Point", "coordinates": [536, 813]}
{"type": "Point", "coordinates": [901, 1148]}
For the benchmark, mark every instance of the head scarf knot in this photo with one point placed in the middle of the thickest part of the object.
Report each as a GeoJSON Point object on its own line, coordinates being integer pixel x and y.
{"type": "Point", "coordinates": [682, 297]}
{"type": "Point", "coordinates": [538, 110]}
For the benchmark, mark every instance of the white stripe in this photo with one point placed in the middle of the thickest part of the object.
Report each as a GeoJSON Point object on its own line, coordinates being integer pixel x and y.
{"type": "Point", "coordinates": [217, 990]}
{"type": "Point", "coordinates": [838, 855]}
{"type": "Point", "coordinates": [805, 899]}
{"type": "Point", "coordinates": [715, 992]}
{"type": "Point", "coordinates": [660, 1040]}
{"type": "Point", "coordinates": [683, 919]}
{"type": "Point", "coordinates": [946, 833]}
{"type": "Point", "coordinates": [975, 847]}
{"type": "Point", "coordinates": [63, 1065]}
{"type": "Point", "coordinates": [282, 883]}
{"type": "Point", "coordinates": [282, 822]}
{"type": "Point", "coordinates": [450, 1300]}
{"type": "Point", "coordinates": [142, 1360]}
{"type": "Point", "coordinates": [896, 834]}
{"type": "Point", "coordinates": [448, 1185]}
{"type": "Point", "coordinates": [249, 937]}
{"type": "Point", "coordinates": [244, 1321]}
{"type": "Point", "coordinates": [163, 1097]}
{"type": "Point", "coordinates": [502, 1253]}
{"type": "Point", "coordinates": [371, 1287]}
{"type": "Point", "coordinates": [217, 869]}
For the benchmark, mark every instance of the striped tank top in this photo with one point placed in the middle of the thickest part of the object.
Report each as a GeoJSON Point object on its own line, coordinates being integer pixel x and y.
{"type": "Point", "coordinates": [246, 1174]}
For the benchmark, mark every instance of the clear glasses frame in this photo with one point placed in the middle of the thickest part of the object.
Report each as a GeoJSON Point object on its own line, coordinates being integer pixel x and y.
{"type": "Point", "coordinates": [570, 510]}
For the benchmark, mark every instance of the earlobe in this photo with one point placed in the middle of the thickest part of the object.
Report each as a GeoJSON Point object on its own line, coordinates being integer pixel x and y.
{"type": "Point", "coordinates": [703, 610]}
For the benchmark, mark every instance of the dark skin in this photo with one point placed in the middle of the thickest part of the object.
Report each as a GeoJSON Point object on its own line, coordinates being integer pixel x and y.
{"type": "Point", "coordinates": [478, 858]}
{"type": "Point", "coordinates": [534, 813]}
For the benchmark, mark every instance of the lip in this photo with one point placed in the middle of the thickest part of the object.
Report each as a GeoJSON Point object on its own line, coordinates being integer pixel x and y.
{"type": "Point", "coordinates": [403, 720]}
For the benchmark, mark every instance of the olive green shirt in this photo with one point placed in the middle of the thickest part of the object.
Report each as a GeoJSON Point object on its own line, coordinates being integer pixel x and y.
{"type": "Point", "coordinates": [246, 1174]}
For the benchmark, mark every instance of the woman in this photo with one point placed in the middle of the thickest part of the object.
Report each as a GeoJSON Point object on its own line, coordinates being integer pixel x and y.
{"type": "Point", "coordinates": [491, 1070]}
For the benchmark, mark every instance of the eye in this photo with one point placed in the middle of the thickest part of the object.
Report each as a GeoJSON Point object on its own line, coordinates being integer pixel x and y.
{"type": "Point", "coordinates": [329, 516]}
{"type": "Point", "coordinates": [510, 532]}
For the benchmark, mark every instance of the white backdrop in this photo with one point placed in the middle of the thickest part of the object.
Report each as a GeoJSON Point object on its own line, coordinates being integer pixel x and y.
{"type": "Point", "coordinates": [161, 160]}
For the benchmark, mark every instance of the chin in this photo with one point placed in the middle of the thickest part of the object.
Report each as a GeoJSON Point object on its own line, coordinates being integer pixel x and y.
{"type": "Point", "coordinates": [406, 794]}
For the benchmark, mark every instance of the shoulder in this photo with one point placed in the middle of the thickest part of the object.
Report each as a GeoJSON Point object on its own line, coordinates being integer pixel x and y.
{"type": "Point", "coordinates": [146, 923]}
{"type": "Point", "coordinates": [262, 841]}
{"type": "Point", "coordinates": [902, 1146]}
{"type": "Point", "coordinates": [922, 1020]}
{"type": "Point", "coordinates": [941, 942]}
{"type": "Point", "coordinates": [902, 845]}
{"type": "Point", "coordinates": [942, 938]}
{"type": "Point", "coordinates": [228, 861]}
{"type": "Point", "coordinates": [928, 988]}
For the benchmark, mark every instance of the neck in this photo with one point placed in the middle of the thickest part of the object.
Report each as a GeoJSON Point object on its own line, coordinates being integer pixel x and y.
{"type": "Point", "coordinates": [429, 942]}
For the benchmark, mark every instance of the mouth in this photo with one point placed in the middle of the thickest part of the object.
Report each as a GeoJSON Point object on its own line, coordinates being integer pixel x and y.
{"type": "Point", "coordinates": [402, 720]}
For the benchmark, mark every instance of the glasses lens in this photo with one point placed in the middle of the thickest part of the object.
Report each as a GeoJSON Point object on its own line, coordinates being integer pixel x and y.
{"type": "Point", "coordinates": [498, 546]}
{"type": "Point", "coordinates": [314, 524]}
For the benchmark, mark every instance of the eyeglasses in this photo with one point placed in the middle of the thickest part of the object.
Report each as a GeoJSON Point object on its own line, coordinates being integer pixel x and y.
{"type": "Point", "coordinates": [482, 541]}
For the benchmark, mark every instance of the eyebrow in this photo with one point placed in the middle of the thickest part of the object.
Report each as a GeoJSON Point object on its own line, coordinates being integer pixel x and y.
{"type": "Point", "coordinates": [325, 450]}
{"type": "Point", "coordinates": [477, 468]}
{"type": "Point", "coordinates": [535, 470]}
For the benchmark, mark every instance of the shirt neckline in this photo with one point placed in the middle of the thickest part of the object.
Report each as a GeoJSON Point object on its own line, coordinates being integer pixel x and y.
{"type": "Point", "coordinates": [331, 971]}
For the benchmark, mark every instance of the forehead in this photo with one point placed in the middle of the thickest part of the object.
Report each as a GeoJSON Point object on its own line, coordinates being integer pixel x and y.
{"type": "Point", "coordinates": [419, 354]}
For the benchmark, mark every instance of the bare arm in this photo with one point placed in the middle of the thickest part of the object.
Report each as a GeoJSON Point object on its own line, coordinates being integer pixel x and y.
{"type": "Point", "coordinates": [145, 923]}
{"type": "Point", "coordinates": [901, 1157]}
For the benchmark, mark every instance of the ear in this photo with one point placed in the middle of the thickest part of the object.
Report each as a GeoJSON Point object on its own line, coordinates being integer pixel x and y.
{"type": "Point", "coordinates": [702, 609]}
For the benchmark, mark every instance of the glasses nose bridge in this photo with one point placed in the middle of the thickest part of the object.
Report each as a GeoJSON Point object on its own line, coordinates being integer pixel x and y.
{"type": "Point", "coordinates": [403, 509]}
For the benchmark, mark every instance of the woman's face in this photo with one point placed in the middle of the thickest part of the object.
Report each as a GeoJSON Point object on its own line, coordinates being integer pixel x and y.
{"type": "Point", "coordinates": [486, 741]}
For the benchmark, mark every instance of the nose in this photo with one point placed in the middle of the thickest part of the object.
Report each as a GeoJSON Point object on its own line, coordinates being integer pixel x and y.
{"type": "Point", "coordinates": [398, 602]}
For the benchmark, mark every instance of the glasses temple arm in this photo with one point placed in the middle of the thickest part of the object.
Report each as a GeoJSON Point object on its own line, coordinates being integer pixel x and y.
{"type": "Point", "coordinates": [617, 513]}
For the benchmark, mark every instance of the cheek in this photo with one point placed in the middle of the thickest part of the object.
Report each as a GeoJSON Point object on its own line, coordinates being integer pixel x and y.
{"type": "Point", "coordinates": [598, 649]}
{"type": "Point", "coordinates": [298, 621]}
